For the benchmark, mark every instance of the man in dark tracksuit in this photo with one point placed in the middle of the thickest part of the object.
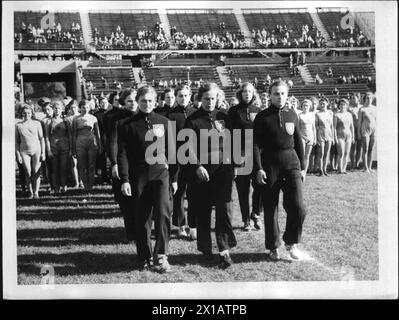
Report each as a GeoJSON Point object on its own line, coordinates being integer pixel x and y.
{"type": "Point", "coordinates": [169, 97]}
{"type": "Point", "coordinates": [242, 117]}
{"type": "Point", "coordinates": [279, 161]}
{"type": "Point", "coordinates": [211, 184]}
{"type": "Point", "coordinates": [149, 183]}
{"type": "Point", "coordinates": [112, 120]}
{"type": "Point", "coordinates": [178, 116]}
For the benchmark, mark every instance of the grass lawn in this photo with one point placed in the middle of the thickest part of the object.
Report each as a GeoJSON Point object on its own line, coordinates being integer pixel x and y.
{"type": "Point", "coordinates": [85, 241]}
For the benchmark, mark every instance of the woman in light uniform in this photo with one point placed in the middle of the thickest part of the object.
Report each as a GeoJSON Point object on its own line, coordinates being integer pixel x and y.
{"type": "Point", "coordinates": [308, 129]}
{"type": "Point", "coordinates": [324, 134]}
{"type": "Point", "coordinates": [30, 149]}
{"type": "Point", "coordinates": [343, 134]}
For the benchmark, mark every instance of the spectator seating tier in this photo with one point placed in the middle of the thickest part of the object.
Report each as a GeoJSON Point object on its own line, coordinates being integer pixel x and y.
{"type": "Point", "coordinates": [338, 70]}
{"type": "Point", "coordinates": [34, 18]}
{"type": "Point", "coordinates": [123, 75]}
{"type": "Point", "coordinates": [293, 21]}
{"type": "Point", "coordinates": [130, 23]}
{"type": "Point", "coordinates": [203, 23]}
{"type": "Point", "coordinates": [196, 73]}
{"type": "Point", "coordinates": [333, 19]}
{"type": "Point", "coordinates": [248, 73]}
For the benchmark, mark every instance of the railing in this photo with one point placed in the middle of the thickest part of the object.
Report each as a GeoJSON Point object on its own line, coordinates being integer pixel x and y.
{"type": "Point", "coordinates": [47, 46]}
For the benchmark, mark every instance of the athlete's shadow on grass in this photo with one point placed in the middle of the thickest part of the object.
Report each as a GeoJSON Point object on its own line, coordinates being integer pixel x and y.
{"type": "Point", "coordinates": [77, 263]}
{"type": "Point", "coordinates": [199, 259]}
{"type": "Point", "coordinates": [71, 237]}
{"type": "Point", "coordinates": [58, 215]}
{"type": "Point", "coordinates": [66, 201]}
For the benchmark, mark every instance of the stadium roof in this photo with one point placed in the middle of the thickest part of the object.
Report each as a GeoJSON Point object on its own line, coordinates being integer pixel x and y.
{"type": "Point", "coordinates": [360, 6]}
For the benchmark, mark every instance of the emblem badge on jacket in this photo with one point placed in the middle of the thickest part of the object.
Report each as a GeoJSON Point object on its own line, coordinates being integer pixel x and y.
{"type": "Point", "coordinates": [290, 127]}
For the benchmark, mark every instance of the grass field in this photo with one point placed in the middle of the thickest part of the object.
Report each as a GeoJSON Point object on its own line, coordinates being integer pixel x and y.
{"type": "Point", "coordinates": [85, 241]}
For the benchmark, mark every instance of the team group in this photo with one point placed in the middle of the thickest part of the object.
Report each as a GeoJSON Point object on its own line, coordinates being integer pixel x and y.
{"type": "Point", "coordinates": [284, 134]}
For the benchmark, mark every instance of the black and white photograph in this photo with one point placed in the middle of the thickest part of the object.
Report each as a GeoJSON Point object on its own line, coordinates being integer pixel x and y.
{"type": "Point", "coordinates": [199, 150]}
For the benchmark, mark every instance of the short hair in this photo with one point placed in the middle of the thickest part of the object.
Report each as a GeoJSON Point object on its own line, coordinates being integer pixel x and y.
{"type": "Point", "coordinates": [278, 83]}
{"type": "Point", "coordinates": [181, 87]}
{"type": "Point", "coordinates": [124, 94]}
{"type": "Point", "coordinates": [112, 96]}
{"type": "Point", "coordinates": [83, 102]}
{"type": "Point", "coordinates": [308, 100]}
{"type": "Point", "coordinates": [70, 104]}
{"type": "Point", "coordinates": [144, 90]}
{"type": "Point", "coordinates": [241, 89]}
{"type": "Point", "coordinates": [167, 90]}
{"type": "Point", "coordinates": [206, 87]}
{"type": "Point", "coordinates": [42, 101]}
{"type": "Point", "coordinates": [57, 103]}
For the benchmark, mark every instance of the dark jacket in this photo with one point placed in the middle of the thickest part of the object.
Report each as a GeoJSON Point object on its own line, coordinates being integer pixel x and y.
{"type": "Point", "coordinates": [132, 147]}
{"type": "Point", "coordinates": [110, 120]}
{"type": "Point", "coordinates": [201, 119]}
{"type": "Point", "coordinates": [277, 140]}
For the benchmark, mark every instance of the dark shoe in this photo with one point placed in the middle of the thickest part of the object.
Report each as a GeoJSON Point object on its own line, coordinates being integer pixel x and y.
{"type": "Point", "coordinates": [247, 226]}
{"type": "Point", "coordinates": [146, 265]}
{"type": "Point", "coordinates": [162, 265]}
{"type": "Point", "coordinates": [274, 255]}
{"type": "Point", "coordinates": [256, 220]}
{"type": "Point", "coordinates": [225, 261]}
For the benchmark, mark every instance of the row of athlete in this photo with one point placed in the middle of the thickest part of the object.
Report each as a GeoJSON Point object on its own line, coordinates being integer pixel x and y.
{"type": "Point", "coordinates": [145, 192]}
{"type": "Point", "coordinates": [348, 131]}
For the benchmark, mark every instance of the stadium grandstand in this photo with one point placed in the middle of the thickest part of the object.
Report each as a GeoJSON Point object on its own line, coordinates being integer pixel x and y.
{"type": "Point", "coordinates": [327, 51]}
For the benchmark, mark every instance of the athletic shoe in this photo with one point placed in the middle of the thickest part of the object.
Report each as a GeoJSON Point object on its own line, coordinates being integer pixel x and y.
{"type": "Point", "coordinates": [146, 265]}
{"type": "Point", "coordinates": [274, 255]}
{"type": "Point", "coordinates": [182, 233]}
{"type": "Point", "coordinates": [162, 265]}
{"type": "Point", "coordinates": [247, 226]}
{"type": "Point", "coordinates": [293, 251]}
{"type": "Point", "coordinates": [35, 196]}
{"type": "Point", "coordinates": [256, 220]}
{"type": "Point", "coordinates": [193, 234]}
{"type": "Point", "coordinates": [226, 261]}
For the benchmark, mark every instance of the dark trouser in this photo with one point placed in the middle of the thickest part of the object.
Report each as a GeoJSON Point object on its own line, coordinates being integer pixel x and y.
{"type": "Point", "coordinates": [243, 188]}
{"type": "Point", "coordinates": [291, 185]}
{"type": "Point", "coordinates": [59, 164]}
{"type": "Point", "coordinates": [215, 192]}
{"type": "Point", "coordinates": [153, 198]}
{"type": "Point", "coordinates": [179, 217]}
{"type": "Point", "coordinates": [127, 207]}
{"type": "Point", "coordinates": [102, 165]}
{"type": "Point", "coordinates": [191, 213]}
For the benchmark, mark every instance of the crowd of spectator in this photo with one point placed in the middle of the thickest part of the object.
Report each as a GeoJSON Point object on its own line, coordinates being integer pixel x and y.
{"type": "Point", "coordinates": [356, 38]}
{"type": "Point", "coordinates": [146, 39]}
{"type": "Point", "coordinates": [56, 33]}
{"type": "Point", "coordinates": [210, 41]}
{"type": "Point", "coordinates": [281, 37]}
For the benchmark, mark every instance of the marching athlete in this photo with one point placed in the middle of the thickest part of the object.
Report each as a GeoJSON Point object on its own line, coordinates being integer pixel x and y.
{"type": "Point", "coordinates": [148, 177]}
{"type": "Point", "coordinates": [211, 182]}
{"type": "Point", "coordinates": [280, 165]}
{"type": "Point", "coordinates": [178, 116]}
{"type": "Point", "coordinates": [124, 110]}
{"type": "Point", "coordinates": [242, 117]}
